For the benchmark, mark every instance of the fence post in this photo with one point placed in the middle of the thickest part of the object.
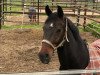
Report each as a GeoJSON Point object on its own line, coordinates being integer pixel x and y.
{"type": "Point", "coordinates": [52, 4]}
{"type": "Point", "coordinates": [23, 2]}
{"type": "Point", "coordinates": [10, 6]}
{"type": "Point", "coordinates": [78, 15]}
{"type": "Point", "coordinates": [38, 10]}
{"type": "Point", "coordinates": [85, 12]}
{"type": "Point", "coordinates": [5, 1]}
{"type": "Point", "coordinates": [0, 13]}
{"type": "Point", "coordinates": [75, 3]}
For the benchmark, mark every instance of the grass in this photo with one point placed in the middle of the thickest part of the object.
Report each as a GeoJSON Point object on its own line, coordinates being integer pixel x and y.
{"type": "Point", "coordinates": [81, 29]}
{"type": "Point", "coordinates": [94, 28]}
{"type": "Point", "coordinates": [35, 26]}
{"type": "Point", "coordinates": [14, 8]}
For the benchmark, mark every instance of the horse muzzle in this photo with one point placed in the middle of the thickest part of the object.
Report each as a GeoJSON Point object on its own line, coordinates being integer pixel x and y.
{"type": "Point", "coordinates": [44, 58]}
{"type": "Point", "coordinates": [45, 53]}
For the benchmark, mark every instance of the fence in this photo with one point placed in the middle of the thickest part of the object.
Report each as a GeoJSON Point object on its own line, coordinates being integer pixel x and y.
{"type": "Point", "coordinates": [0, 14]}
{"type": "Point", "coordinates": [91, 17]}
{"type": "Point", "coordinates": [70, 7]}
{"type": "Point", "coordinates": [9, 7]}
{"type": "Point", "coordinates": [67, 72]}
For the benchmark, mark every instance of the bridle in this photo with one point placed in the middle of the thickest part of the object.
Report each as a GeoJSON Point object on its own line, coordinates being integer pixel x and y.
{"type": "Point", "coordinates": [61, 43]}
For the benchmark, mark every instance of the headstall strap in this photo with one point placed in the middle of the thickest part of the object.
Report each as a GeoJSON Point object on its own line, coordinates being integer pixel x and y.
{"type": "Point", "coordinates": [66, 31]}
{"type": "Point", "coordinates": [61, 43]}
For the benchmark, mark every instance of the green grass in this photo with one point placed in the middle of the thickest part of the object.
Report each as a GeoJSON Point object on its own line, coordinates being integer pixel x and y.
{"type": "Point", "coordinates": [5, 27]}
{"type": "Point", "coordinates": [81, 29]}
{"type": "Point", "coordinates": [94, 28]}
{"type": "Point", "coordinates": [15, 8]}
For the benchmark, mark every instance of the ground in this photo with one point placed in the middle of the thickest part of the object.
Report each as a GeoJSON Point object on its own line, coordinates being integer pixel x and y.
{"type": "Point", "coordinates": [19, 51]}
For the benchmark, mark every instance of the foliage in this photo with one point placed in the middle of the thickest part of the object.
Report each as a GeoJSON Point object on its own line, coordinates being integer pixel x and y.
{"type": "Point", "coordinates": [94, 28]}
{"type": "Point", "coordinates": [35, 26]}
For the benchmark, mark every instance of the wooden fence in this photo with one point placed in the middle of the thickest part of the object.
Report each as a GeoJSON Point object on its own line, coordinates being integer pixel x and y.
{"type": "Point", "coordinates": [87, 18]}
{"type": "Point", "coordinates": [0, 13]}
{"type": "Point", "coordinates": [68, 6]}
{"type": "Point", "coordinates": [74, 7]}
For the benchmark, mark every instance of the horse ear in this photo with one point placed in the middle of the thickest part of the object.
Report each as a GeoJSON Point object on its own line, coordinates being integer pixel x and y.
{"type": "Point", "coordinates": [60, 12]}
{"type": "Point", "coordinates": [47, 10]}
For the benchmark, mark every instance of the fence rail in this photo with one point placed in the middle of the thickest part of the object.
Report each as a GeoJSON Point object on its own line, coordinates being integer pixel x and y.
{"type": "Point", "coordinates": [71, 6]}
{"type": "Point", "coordinates": [97, 71]}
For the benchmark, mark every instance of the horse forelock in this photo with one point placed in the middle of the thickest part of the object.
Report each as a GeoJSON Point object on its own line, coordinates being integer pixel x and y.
{"type": "Point", "coordinates": [54, 17]}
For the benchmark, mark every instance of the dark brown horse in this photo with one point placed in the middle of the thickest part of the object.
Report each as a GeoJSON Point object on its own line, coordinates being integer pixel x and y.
{"type": "Point", "coordinates": [62, 35]}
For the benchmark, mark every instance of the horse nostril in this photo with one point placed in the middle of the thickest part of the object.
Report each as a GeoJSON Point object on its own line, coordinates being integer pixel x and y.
{"type": "Point", "coordinates": [58, 31]}
{"type": "Point", "coordinates": [44, 58]}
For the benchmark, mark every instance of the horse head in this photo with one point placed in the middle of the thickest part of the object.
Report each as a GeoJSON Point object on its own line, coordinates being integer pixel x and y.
{"type": "Point", "coordinates": [54, 31]}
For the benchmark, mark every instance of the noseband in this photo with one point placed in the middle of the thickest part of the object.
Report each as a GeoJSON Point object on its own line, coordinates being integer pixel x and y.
{"type": "Point", "coordinates": [61, 43]}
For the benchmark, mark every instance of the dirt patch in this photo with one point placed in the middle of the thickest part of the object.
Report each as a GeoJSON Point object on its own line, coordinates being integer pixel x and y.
{"type": "Point", "coordinates": [24, 19]}
{"type": "Point", "coordinates": [88, 36]}
{"type": "Point", "coordinates": [19, 51]}
{"type": "Point", "coordinates": [17, 20]}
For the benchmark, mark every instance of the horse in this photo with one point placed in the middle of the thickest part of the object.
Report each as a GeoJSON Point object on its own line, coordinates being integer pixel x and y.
{"type": "Point", "coordinates": [62, 35]}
